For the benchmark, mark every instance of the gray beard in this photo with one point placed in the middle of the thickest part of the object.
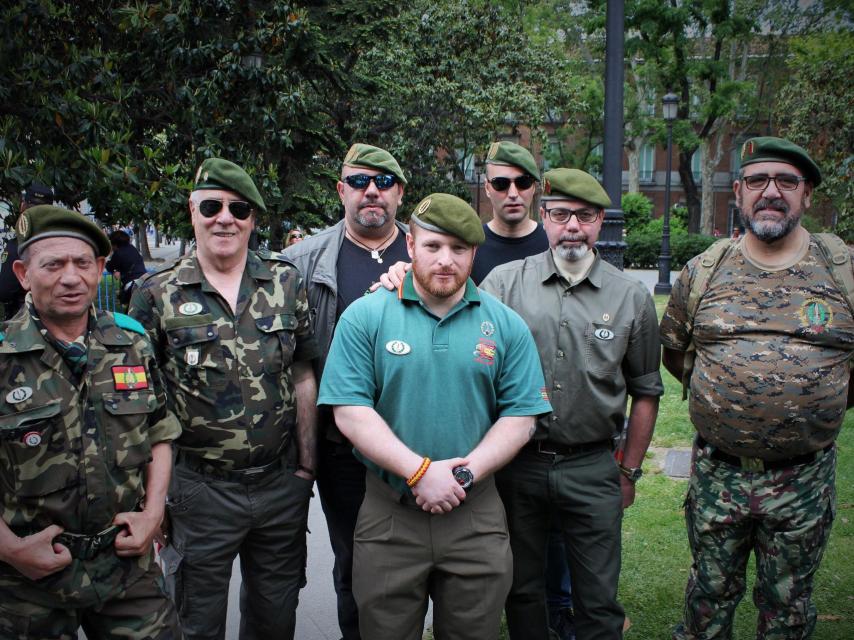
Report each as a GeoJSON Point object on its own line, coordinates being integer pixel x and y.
{"type": "Point", "coordinates": [373, 222]}
{"type": "Point", "coordinates": [572, 254]}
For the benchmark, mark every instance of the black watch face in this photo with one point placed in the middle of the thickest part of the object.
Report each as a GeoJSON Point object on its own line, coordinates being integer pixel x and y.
{"type": "Point", "coordinates": [463, 476]}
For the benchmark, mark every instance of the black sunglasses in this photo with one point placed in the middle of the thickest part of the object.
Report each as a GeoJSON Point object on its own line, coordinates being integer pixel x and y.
{"type": "Point", "coordinates": [384, 181]}
{"type": "Point", "coordinates": [522, 182]}
{"type": "Point", "coordinates": [239, 209]}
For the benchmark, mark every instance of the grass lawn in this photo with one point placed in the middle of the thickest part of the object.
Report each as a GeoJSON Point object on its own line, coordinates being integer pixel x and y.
{"type": "Point", "coordinates": [655, 547]}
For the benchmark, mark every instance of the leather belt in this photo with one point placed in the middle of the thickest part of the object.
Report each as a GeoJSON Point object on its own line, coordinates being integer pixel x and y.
{"type": "Point", "coordinates": [86, 547]}
{"type": "Point", "coordinates": [552, 449]}
{"type": "Point", "coordinates": [758, 464]}
{"type": "Point", "coordinates": [247, 475]}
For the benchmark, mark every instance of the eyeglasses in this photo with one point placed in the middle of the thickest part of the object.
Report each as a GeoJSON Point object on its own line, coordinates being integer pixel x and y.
{"type": "Point", "coordinates": [239, 209]}
{"type": "Point", "coordinates": [784, 181]}
{"type": "Point", "coordinates": [560, 215]}
{"type": "Point", "coordinates": [522, 182]}
{"type": "Point", "coordinates": [296, 235]}
{"type": "Point", "coordinates": [384, 181]}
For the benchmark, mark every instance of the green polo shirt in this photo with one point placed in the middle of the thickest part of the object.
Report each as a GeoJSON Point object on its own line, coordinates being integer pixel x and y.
{"type": "Point", "coordinates": [598, 341]}
{"type": "Point", "coordinates": [439, 383]}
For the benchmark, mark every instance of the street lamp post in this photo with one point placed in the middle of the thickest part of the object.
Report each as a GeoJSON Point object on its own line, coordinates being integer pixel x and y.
{"type": "Point", "coordinates": [663, 286]}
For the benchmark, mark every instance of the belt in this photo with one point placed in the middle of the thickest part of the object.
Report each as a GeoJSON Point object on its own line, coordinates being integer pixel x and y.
{"type": "Point", "coordinates": [248, 475]}
{"type": "Point", "coordinates": [552, 449]}
{"type": "Point", "coordinates": [85, 547]}
{"type": "Point", "coordinates": [758, 464]}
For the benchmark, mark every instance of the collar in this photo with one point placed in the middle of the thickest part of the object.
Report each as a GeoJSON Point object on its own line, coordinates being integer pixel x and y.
{"type": "Point", "coordinates": [547, 270]}
{"type": "Point", "coordinates": [407, 291]}
{"type": "Point", "coordinates": [189, 271]}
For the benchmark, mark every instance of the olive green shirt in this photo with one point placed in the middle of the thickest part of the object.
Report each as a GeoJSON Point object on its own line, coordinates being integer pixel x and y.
{"type": "Point", "coordinates": [597, 339]}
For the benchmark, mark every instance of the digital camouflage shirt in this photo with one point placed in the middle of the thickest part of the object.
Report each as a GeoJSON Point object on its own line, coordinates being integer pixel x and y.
{"type": "Point", "coordinates": [228, 373]}
{"type": "Point", "coordinates": [773, 355]}
{"type": "Point", "coordinates": [75, 454]}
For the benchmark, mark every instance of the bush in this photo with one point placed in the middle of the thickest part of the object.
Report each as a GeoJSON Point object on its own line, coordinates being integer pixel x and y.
{"type": "Point", "coordinates": [637, 210]}
{"type": "Point", "coordinates": [644, 246]}
{"type": "Point", "coordinates": [685, 246]}
{"type": "Point", "coordinates": [643, 250]}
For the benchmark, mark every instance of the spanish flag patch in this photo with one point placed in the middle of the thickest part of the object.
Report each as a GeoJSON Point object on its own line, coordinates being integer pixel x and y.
{"type": "Point", "coordinates": [130, 378]}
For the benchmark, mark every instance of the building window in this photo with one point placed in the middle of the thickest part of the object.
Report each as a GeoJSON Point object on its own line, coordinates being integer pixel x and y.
{"type": "Point", "coordinates": [465, 161]}
{"type": "Point", "coordinates": [552, 155]}
{"type": "Point", "coordinates": [646, 165]}
{"type": "Point", "coordinates": [594, 162]}
{"type": "Point", "coordinates": [735, 163]}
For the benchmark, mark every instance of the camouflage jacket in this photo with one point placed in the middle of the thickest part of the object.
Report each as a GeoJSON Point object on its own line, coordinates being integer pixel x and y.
{"type": "Point", "coordinates": [229, 373]}
{"type": "Point", "coordinates": [75, 454]}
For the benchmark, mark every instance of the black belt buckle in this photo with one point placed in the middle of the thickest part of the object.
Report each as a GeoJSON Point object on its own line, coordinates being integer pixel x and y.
{"type": "Point", "coordinates": [86, 547]}
{"type": "Point", "coordinates": [541, 449]}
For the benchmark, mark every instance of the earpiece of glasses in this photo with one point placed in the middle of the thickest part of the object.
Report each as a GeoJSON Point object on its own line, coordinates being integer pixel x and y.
{"type": "Point", "coordinates": [239, 209]}
{"type": "Point", "coordinates": [361, 181]}
{"type": "Point", "coordinates": [522, 182]}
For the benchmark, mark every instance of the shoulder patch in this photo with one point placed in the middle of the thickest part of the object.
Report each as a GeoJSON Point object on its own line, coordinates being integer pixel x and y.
{"type": "Point", "coordinates": [126, 322]}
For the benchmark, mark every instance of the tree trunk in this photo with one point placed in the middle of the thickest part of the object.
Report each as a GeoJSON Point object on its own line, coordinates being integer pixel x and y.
{"type": "Point", "coordinates": [277, 233]}
{"type": "Point", "coordinates": [156, 237]}
{"type": "Point", "coordinates": [142, 234]}
{"type": "Point", "coordinates": [707, 208]}
{"type": "Point", "coordinates": [633, 153]}
{"type": "Point", "coordinates": [692, 193]}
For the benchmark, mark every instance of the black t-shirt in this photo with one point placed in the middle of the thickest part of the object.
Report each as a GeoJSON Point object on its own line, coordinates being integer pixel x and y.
{"type": "Point", "coordinates": [357, 270]}
{"type": "Point", "coordinates": [498, 250]}
{"type": "Point", "coordinates": [128, 261]}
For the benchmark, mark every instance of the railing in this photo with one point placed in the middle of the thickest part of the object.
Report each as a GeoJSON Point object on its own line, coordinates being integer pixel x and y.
{"type": "Point", "coordinates": [108, 293]}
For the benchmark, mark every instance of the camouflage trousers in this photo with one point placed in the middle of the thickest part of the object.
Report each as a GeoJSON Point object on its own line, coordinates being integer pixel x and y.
{"type": "Point", "coordinates": [784, 517]}
{"type": "Point", "coordinates": [142, 611]}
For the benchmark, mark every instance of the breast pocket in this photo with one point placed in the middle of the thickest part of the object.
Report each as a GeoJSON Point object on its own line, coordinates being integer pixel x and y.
{"type": "Point", "coordinates": [129, 418]}
{"type": "Point", "coordinates": [606, 347]}
{"type": "Point", "coordinates": [195, 357]}
{"type": "Point", "coordinates": [36, 454]}
{"type": "Point", "coordinates": [277, 342]}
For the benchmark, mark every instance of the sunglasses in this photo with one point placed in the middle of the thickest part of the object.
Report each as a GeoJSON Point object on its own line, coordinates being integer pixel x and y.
{"type": "Point", "coordinates": [784, 181]}
{"type": "Point", "coordinates": [560, 215]}
{"type": "Point", "coordinates": [239, 209]}
{"type": "Point", "coordinates": [522, 182]}
{"type": "Point", "coordinates": [384, 181]}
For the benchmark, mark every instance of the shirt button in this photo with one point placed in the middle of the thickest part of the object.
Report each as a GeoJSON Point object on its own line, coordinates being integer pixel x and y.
{"type": "Point", "coordinates": [557, 386]}
{"type": "Point", "coordinates": [554, 418]}
{"type": "Point", "coordinates": [564, 323]}
{"type": "Point", "coordinates": [560, 354]}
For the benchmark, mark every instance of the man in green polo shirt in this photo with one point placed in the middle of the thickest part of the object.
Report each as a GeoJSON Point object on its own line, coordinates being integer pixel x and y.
{"type": "Point", "coordinates": [596, 331]}
{"type": "Point", "coordinates": [437, 386]}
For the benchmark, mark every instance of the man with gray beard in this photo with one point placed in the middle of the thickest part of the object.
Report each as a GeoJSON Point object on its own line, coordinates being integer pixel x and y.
{"type": "Point", "coordinates": [338, 266]}
{"type": "Point", "coordinates": [595, 330]}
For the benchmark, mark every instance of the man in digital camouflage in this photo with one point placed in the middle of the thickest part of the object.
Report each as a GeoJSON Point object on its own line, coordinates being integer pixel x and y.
{"type": "Point", "coordinates": [85, 450]}
{"type": "Point", "coordinates": [230, 328]}
{"type": "Point", "coordinates": [772, 336]}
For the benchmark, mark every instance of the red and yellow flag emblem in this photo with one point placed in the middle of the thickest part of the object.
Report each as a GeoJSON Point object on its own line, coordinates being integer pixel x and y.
{"type": "Point", "coordinates": [130, 378]}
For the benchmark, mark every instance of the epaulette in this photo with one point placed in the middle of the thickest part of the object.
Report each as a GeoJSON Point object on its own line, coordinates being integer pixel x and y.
{"type": "Point", "coordinates": [126, 322]}
{"type": "Point", "coordinates": [160, 269]}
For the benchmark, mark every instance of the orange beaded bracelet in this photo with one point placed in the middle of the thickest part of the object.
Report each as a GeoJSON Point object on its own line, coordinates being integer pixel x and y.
{"type": "Point", "coordinates": [413, 480]}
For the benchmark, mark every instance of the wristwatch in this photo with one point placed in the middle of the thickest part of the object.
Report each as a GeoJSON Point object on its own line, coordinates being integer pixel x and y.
{"type": "Point", "coordinates": [632, 473]}
{"type": "Point", "coordinates": [464, 477]}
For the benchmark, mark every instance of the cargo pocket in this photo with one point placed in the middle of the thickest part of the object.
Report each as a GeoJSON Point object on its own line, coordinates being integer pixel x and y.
{"type": "Point", "coordinates": [195, 361]}
{"type": "Point", "coordinates": [606, 347]}
{"type": "Point", "coordinates": [37, 457]}
{"type": "Point", "coordinates": [277, 346]}
{"type": "Point", "coordinates": [128, 426]}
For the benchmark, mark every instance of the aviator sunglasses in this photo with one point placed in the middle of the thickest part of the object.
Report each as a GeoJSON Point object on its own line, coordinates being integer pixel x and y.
{"type": "Point", "coordinates": [239, 209]}
{"type": "Point", "coordinates": [384, 181]}
{"type": "Point", "coordinates": [502, 184]}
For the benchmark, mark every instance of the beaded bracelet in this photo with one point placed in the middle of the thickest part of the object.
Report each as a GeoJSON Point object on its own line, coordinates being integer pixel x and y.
{"type": "Point", "coordinates": [413, 480]}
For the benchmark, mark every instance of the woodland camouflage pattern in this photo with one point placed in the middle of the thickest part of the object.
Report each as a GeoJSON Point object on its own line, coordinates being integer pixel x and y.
{"type": "Point", "coordinates": [794, 510]}
{"type": "Point", "coordinates": [229, 375]}
{"type": "Point", "coordinates": [75, 454]}
{"type": "Point", "coordinates": [773, 354]}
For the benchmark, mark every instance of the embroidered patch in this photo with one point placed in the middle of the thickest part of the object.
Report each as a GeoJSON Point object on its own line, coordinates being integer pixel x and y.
{"type": "Point", "coordinates": [192, 357]}
{"type": "Point", "coordinates": [130, 378]}
{"type": "Point", "coordinates": [485, 352]}
{"type": "Point", "coordinates": [487, 328]}
{"type": "Point", "coordinates": [190, 308]}
{"type": "Point", "coordinates": [19, 394]}
{"type": "Point", "coordinates": [604, 334]}
{"type": "Point", "coordinates": [32, 438]}
{"type": "Point", "coordinates": [547, 187]}
{"type": "Point", "coordinates": [816, 315]}
{"type": "Point", "coordinates": [544, 394]}
{"type": "Point", "coordinates": [23, 226]}
{"type": "Point", "coordinates": [424, 206]}
{"type": "Point", "coordinates": [397, 347]}
{"type": "Point", "coordinates": [747, 149]}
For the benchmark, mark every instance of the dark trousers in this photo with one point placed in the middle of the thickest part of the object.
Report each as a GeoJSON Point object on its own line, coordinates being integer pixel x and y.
{"type": "Point", "coordinates": [583, 491]}
{"type": "Point", "coordinates": [341, 484]}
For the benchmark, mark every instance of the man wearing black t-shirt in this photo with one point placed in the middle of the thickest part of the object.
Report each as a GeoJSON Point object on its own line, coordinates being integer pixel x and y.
{"type": "Point", "coordinates": [339, 265]}
{"type": "Point", "coordinates": [511, 184]}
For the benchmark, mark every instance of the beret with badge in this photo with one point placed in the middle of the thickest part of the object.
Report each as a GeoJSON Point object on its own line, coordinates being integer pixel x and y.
{"type": "Point", "coordinates": [511, 154]}
{"type": "Point", "coordinates": [216, 173]}
{"type": "Point", "coordinates": [444, 213]}
{"type": "Point", "coordinates": [771, 149]}
{"type": "Point", "coordinates": [370, 157]}
{"type": "Point", "coordinates": [562, 184]}
{"type": "Point", "coordinates": [48, 221]}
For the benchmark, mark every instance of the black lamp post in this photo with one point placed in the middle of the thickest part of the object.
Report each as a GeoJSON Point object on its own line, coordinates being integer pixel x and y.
{"type": "Point", "coordinates": [663, 286]}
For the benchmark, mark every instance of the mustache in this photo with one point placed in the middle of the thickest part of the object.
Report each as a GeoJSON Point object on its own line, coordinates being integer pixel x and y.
{"type": "Point", "coordinates": [573, 237]}
{"type": "Point", "coordinates": [778, 204]}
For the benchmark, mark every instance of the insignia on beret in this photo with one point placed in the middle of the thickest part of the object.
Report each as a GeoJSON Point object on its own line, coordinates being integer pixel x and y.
{"type": "Point", "coordinates": [746, 148]}
{"type": "Point", "coordinates": [547, 187]}
{"type": "Point", "coordinates": [493, 149]}
{"type": "Point", "coordinates": [350, 154]}
{"type": "Point", "coordinates": [23, 226]}
{"type": "Point", "coordinates": [424, 205]}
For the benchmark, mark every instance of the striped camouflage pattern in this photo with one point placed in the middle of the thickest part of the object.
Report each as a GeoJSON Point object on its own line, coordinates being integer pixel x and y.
{"type": "Point", "coordinates": [75, 455]}
{"type": "Point", "coordinates": [229, 374]}
{"type": "Point", "coordinates": [783, 516]}
{"type": "Point", "coordinates": [773, 354]}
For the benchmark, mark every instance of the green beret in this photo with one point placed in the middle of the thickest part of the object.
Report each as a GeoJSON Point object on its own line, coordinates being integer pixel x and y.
{"type": "Point", "coordinates": [444, 213]}
{"type": "Point", "coordinates": [369, 157]}
{"type": "Point", "coordinates": [48, 221]}
{"type": "Point", "coordinates": [770, 149]}
{"type": "Point", "coordinates": [563, 184]}
{"type": "Point", "coordinates": [511, 154]}
{"type": "Point", "coordinates": [216, 173]}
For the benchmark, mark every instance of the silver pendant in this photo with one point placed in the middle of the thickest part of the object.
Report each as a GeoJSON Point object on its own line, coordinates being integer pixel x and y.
{"type": "Point", "coordinates": [375, 254]}
{"type": "Point", "coordinates": [380, 260]}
